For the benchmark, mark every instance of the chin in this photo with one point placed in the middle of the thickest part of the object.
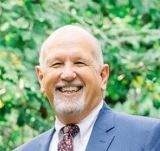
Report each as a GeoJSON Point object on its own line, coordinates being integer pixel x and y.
{"type": "Point", "coordinates": [69, 107]}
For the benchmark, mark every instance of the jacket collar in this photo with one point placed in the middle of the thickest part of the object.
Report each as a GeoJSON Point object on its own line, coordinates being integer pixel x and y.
{"type": "Point", "coordinates": [44, 143]}
{"type": "Point", "coordinates": [103, 131]}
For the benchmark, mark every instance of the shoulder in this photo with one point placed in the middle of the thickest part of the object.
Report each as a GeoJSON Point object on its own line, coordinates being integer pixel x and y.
{"type": "Point", "coordinates": [126, 120]}
{"type": "Point", "coordinates": [135, 118]}
{"type": "Point", "coordinates": [120, 118]}
{"type": "Point", "coordinates": [139, 122]}
{"type": "Point", "coordinates": [146, 130]}
{"type": "Point", "coordinates": [36, 142]}
{"type": "Point", "coordinates": [131, 129]}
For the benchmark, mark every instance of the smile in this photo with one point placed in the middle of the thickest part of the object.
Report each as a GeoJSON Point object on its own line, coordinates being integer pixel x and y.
{"type": "Point", "coordinates": [69, 89]}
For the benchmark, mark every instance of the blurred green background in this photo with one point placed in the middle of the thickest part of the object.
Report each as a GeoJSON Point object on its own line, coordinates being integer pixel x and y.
{"type": "Point", "coordinates": [129, 32]}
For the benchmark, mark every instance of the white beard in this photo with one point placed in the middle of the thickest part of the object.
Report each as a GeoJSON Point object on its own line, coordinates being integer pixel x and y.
{"type": "Point", "coordinates": [68, 105]}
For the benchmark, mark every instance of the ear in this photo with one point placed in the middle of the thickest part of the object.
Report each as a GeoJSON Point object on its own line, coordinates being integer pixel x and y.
{"type": "Point", "coordinates": [40, 76]}
{"type": "Point", "coordinates": [104, 76]}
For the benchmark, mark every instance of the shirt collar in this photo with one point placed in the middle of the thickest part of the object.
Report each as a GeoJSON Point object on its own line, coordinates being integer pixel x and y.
{"type": "Point", "coordinates": [88, 122]}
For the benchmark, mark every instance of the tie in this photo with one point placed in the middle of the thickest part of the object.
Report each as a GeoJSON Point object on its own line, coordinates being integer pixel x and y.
{"type": "Point", "coordinates": [69, 132]}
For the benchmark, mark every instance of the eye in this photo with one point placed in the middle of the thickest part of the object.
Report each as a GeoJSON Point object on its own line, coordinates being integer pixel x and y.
{"type": "Point", "coordinates": [56, 65]}
{"type": "Point", "coordinates": [79, 63]}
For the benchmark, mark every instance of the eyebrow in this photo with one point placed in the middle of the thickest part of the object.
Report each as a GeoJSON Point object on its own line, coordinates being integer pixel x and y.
{"type": "Point", "coordinates": [49, 61]}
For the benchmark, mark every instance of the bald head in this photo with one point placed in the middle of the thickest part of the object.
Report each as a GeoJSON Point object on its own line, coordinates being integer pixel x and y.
{"type": "Point", "coordinates": [69, 35]}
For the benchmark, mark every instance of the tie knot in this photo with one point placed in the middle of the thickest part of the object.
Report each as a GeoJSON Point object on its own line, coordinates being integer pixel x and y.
{"type": "Point", "coordinates": [71, 129]}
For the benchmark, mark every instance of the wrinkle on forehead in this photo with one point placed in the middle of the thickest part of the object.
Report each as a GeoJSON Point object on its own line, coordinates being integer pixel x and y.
{"type": "Point", "coordinates": [70, 35]}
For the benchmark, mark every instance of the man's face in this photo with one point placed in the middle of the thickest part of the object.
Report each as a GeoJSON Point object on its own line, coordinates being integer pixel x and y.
{"type": "Point", "coordinates": [72, 79]}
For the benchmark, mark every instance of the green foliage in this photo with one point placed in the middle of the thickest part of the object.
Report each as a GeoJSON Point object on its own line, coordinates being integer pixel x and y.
{"type": "Point", "coordinates": [128, 31]}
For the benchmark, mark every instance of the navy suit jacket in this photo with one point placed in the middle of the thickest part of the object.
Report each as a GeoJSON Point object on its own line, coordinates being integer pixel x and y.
{"type": "Point", "coordinates": [112, 131]}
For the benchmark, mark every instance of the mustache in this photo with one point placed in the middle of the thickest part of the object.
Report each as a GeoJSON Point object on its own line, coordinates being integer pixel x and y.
{"type": "Point", "coordinates": [68, 84]}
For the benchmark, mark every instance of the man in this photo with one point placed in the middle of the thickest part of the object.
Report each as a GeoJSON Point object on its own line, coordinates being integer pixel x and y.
{"type": "Point", "coordinates": [73, 77]}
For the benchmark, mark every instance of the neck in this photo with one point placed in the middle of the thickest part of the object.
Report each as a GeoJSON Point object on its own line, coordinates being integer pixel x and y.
{"type": "Point", "coordinates": [71, 119]}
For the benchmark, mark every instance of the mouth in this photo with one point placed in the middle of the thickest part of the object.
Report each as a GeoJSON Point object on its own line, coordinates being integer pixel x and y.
{"type": "Point", "coordinates": [69, 89]}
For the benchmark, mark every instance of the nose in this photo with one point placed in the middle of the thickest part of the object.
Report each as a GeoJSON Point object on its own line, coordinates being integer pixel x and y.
{"type": "Point", "coordinates": [68, 74]}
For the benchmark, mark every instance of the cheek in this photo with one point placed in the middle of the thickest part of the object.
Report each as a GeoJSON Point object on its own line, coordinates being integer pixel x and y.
{"type": "Point", "coordinates": [91, 79]}
{"type": "Point", "coordinates": [92, 93]}
{"type": "Point", "coordinates": [50, 81]}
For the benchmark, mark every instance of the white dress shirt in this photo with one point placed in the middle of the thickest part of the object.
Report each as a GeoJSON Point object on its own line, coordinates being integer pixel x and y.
{"type": "Point", "coordinates": [81, 139]}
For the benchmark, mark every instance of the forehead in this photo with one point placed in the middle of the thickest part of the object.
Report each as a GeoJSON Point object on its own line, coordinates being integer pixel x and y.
{"type": "Point", "coordinates": [76, 45]}
{"type": "Point", "coordinates": [73, 52]}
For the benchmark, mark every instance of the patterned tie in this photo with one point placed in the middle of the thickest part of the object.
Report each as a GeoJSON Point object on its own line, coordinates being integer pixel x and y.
{"type": "Point", "coordinates": [69, 132]}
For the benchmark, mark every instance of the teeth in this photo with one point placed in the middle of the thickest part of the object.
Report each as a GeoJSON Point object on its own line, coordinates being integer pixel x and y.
{"type": "Point", "coordinates": [69, 89]}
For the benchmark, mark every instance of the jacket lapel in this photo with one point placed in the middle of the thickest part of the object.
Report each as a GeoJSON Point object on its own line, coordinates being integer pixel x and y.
{"type": "Point", "coordinates": [103, 131]}
{"type": "Point", "coordinates": [43, 144]}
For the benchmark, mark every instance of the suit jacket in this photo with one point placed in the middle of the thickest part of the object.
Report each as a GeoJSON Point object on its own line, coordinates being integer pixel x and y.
{"type": "Point", "coordinates": [112, 131]}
